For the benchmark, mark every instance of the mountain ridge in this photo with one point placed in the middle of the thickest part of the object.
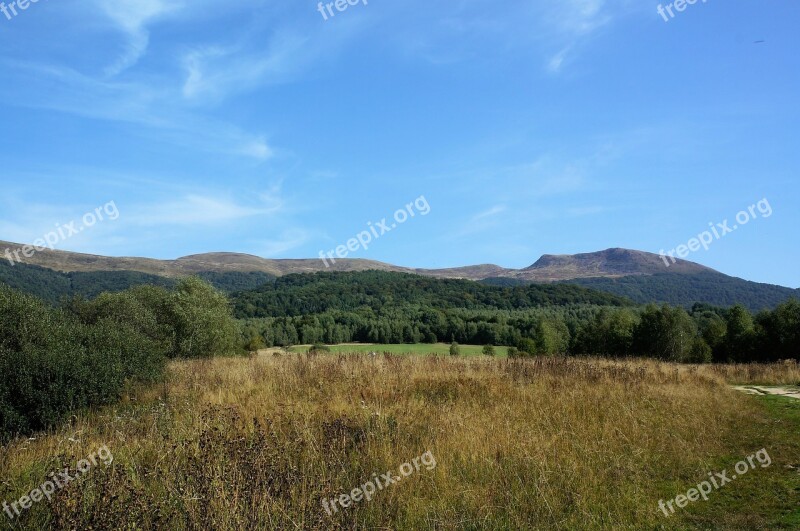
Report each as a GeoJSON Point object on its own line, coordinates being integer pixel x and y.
{"type": "Point", "coordinates": [614, 262]}
{"type": "Point", "coordinates": [640, 276]}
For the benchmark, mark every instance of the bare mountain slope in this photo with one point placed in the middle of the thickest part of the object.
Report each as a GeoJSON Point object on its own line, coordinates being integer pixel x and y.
{"type": "Point", "coordinates": [609, 263]}
{"type": "Point", "coordinates": [612, 263]}
{"type": "Point", "coordinates": [68, 262]}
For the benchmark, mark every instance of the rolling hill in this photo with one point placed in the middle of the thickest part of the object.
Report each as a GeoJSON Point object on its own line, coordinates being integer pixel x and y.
{"type": "Point", "coordinates": [637, 275]}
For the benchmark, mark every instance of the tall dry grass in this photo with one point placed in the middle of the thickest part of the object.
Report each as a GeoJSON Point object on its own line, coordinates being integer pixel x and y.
{"type": "Point", "coordinates": [781, 373]}
{"type": "Point", "coordinates": [256, 444]}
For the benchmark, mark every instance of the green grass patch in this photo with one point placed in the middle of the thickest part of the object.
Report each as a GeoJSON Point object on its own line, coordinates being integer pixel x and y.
{"type": "Point", "coordinates": [764, 498]}
{"type": "Point", "coordinates": [442, 349]}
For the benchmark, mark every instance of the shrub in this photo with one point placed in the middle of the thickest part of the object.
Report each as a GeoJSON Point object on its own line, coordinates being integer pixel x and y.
{"type": "Point", "coordinates": [56, 361]}
{"type": "Point", "coordinates": [254, 342]}
{"type": "Point", "coordinates": [455, 350]}
{"type": "Point", "coordinates": [488, 350]}
{"type": "Point", "coordinates": [527, 347]}
{"type": "Point", "coordinates": [53, 363]}
{"type": "Point", "coordinates": [318, 348]}
{"type": "Point", "coordinates": [700, 353]}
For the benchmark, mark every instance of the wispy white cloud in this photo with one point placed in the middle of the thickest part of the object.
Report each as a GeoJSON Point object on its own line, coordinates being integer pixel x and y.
{"type": "Point", "coordinates": [482, 221]}
{"type": "Point", "coordinates": [141, 104]}
{"type": "Point", "coordinates": [585, 211]}
{"type": "Point", "coordinates": [555, 63]}
{"type": "Point", "coordinates": [573, 22]}
{"type": "Point", "coordinates": [554, 31]}
{"type": "Point", "coordinates": [581, 17]}
{"type": "Point", "coordinates": [495, 210]}
{"type": "Point", "coordinates": [131, 17]}
{"type": "Point", "coordinates": [213, 73]}
{"type": "Point", "coordinates": [25, 221]}
{"type": "Point", "coordinates": [288, 240]}
{"type": "Point", "coordinates": [257, 148]}
{"type": "Point", "coordinates": [202, 210]}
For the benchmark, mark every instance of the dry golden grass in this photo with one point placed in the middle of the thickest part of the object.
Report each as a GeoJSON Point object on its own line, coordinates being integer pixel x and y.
{"type": "Point", "coordinates": [782, 373]}
{"type": "Point", "coordinates": [257, 443]}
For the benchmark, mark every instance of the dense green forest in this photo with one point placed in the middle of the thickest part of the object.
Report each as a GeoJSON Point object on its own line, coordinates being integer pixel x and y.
{"type": "Point", "coordinates": [316, 293]}
{"type": "Point", "coordinates": [681, 289]}
{"type": "Point", "coordinates": [685, 290]}
{"type": "Point", "coordinates": [52, 285]}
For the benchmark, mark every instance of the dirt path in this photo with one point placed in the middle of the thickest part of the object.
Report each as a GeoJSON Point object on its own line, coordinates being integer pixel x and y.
{"type": "Point", "coordinates": [792, 392]}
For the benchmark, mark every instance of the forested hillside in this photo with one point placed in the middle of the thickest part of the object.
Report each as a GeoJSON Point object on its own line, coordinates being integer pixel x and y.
{"type": "Point", "coordinates": [293, 295]}
{"type": "Point", "coordinates": [52, 285]}
{"type": "Point", "coordinates": [687, 289]}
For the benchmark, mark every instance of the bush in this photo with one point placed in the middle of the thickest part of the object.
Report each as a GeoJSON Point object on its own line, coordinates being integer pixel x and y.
{"type": "Point", "coordinates": [527, 347]}
{"type": "Point", "coordinates": [318, 348]}
{"type": "Point", "coordinates": [513, 352]}
{"type": "Point", "coordinates": [254, 342]}
{"type": "Point", "coordinates": [455, 350]}
{"type": "Point", "coordinates": [488, 350]}
{"type": "Point", "coordinates": [53, 363]}
{"type": "Point", "coordinates": [700, 353]}
{"type": "Point", "coordinates": [192, 321]}
{"type": "Point", "coordinates": [56, 361]}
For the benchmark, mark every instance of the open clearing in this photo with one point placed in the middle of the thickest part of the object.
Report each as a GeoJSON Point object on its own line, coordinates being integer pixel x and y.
{"type": "Point", "coordinates": [441, 349]}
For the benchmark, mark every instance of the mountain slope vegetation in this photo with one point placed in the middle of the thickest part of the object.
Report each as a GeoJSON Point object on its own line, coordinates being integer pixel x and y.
{"type": "Point", "coordinates": [52, 285]}
{"type": "Point", "coordinates": [687, 289]}
{"type": "Point", "coordinates": [294, 295]}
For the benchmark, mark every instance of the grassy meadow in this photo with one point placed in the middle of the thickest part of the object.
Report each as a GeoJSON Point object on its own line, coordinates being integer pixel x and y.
{"type": "Point", "coordinates": [542, 443]}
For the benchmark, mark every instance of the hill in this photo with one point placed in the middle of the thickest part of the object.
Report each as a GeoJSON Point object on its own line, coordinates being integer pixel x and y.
{"type": "Point", "coordinates": [641, 276]}
{"type": "Point", "coordinates": [610, 263]}
{"type": "Point", "coordinates": [686, 289]}
{"type": "Point", "coordinates": [295, 295]}
{"type": "Point", "coordinates": [52, 285]}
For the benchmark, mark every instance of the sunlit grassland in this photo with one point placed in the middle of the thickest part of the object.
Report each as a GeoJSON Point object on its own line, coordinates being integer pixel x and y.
{"type": "Point", "coordinates": [520, 444]}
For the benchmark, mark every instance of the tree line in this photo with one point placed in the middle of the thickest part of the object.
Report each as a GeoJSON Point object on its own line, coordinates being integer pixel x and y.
{"type": "Point", "coordinates": [387, 307]}
{"type": "Point", "coordinates": [703, 335]}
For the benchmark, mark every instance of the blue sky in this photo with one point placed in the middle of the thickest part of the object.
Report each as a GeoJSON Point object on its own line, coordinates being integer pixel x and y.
{"type": "Point", "coordinates": [530, 127]}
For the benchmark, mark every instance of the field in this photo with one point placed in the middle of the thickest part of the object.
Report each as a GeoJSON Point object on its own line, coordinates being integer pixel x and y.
{"type": "Point", "coordinates": [534, 444]}
{"type": "Point", "coordinates": [442, 349]}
